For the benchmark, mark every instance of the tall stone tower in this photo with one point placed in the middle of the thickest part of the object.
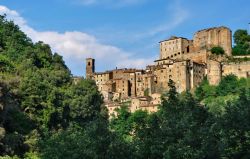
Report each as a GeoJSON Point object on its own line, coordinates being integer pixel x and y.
{"type": "Point", "coordinates": [218, 36]}
{"type": "Point", "coordinates": [90, 67]}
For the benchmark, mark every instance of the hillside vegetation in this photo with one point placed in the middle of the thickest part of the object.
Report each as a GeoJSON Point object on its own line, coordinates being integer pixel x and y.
{"type": "Point", "coordinates": [45, 115]}
{"type": "Point", "coordinates": [242, 42]}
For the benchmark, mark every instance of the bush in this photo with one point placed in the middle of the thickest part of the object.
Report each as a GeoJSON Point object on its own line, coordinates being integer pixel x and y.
{"type": "Point", "coordinates": [217, 50]}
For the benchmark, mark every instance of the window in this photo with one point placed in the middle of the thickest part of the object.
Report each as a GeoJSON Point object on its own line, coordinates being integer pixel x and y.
{"type": "Point", "coordinates": [187, 49]}
{"type": "Point", "coordinates": [89, 63]}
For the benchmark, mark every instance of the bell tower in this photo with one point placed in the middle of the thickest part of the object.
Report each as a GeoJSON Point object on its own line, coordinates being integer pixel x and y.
{"type": "Point", "coordinates": [90, 68]}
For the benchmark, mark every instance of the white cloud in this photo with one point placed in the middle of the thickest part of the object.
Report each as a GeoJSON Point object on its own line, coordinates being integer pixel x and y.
{"type": "Point", "coordinates": [76, 46]}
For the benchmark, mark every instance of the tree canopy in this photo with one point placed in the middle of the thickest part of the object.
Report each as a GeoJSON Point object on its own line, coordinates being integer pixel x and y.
{"type": "Point", "coordinates": [242, 42]}
{"type": "Point", "coordinates": [217, 50]}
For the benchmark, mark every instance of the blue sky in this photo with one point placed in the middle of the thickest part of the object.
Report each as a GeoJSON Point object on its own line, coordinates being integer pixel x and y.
{"type": "Point", "coordinates": [122, 33]}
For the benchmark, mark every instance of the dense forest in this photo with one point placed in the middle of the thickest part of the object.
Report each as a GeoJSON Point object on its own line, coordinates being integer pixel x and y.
{"type": "Point", "coordinates": [45, 115]}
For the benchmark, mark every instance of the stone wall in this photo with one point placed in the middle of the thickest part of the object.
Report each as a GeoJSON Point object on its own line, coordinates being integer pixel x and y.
{"type": "Point", "coordinates": [122, 87]}
{"type": "Point", "coordinates": [90, 67]}
{"type": "Point", "coordinates": [175, 47]}
{"type": "Point", "coordinates": [241, 69]}
{"type": "Point", "coordinates": [217, 36]}
{"type": "Point", "coordinates": [197, 73]}
{"type": "Point", "coordinates": [214, 72]}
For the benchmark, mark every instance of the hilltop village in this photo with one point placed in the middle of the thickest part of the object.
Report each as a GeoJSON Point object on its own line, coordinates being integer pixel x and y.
{"type": "Point", "coordinates": [186, 62]}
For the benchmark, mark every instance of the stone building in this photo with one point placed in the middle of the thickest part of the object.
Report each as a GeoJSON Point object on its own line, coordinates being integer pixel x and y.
{"type": "Point", "coordinates": [217, 36]}
{"type": "Point", "coordinates": [90, 67]}
{"type": "Point", "coordinates": [175, 47]}
{"type": "Point", "coordinates": [184, 61]}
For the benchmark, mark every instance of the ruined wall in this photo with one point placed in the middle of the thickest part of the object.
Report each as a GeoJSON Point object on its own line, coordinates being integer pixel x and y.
{"type": "Point", "coordinates": [197, 74]}
{"type": "Point", "coordinates": [200, 56]}
{"type": "Point", "coordinates": [239, 69]}
{"type": "Point", "coordinates": [218, 36]}
{"type": "Point", "coordinates": [214, 72]}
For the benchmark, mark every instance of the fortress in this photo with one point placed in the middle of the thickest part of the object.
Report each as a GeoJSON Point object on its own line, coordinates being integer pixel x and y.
{"type": "Point", "coordinates": [184, 61]}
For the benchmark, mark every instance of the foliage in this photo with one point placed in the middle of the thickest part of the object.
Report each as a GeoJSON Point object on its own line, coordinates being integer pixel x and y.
{"type": "Point", "coordinates": [75, 142]}
{"type": "Point", "coordinates": [242, 42]}
{"type": "Point", "coordinates": [180, 124]}
{"type": "Point", "coordinates": [235, 128]}
{"type": "Point", "coordinates": [40, 99]}
{"type": "Point", "coordinates": [217, 97]}
{"type": "Point", "coordinates": [146, 92]}
{"type": "Point", "coordinates": [217, 50]}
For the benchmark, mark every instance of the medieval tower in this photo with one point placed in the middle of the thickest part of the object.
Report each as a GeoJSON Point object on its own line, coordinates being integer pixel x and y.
{"type": "Point", "coordinates": [90, 67]}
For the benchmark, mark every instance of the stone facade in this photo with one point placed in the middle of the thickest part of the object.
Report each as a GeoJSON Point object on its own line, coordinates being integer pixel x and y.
{"type": "Point", "coordinates": [90, 67]}
{"type": "Point", "coordinates": [184, 61]}
{"type": "Point", "coordinates": [208, 38]}
{"type": "Point", "coordinates": [175, 47]}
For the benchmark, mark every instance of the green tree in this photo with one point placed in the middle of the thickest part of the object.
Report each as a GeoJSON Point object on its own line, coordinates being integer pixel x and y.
{"type": "Point", "coordinates": [217, 50]}
{"type": "Point", "coordinates": [228, 84]}
{"type": "Point", "coordinates": [242, 42]}
{"type": "Point", "coordinates": [235, 129]}
{"type": "Point", "coordinates": [76, 142]}
{"type": "Point", "coordinates": [182, 126]}
{"type": "Point", "coordinates": [120, 123]}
